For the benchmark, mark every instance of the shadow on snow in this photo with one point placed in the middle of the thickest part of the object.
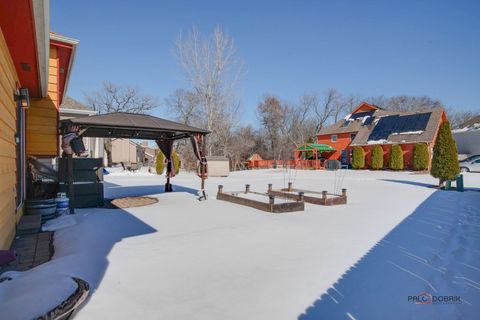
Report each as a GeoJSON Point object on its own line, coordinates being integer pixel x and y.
{"type": "Point", "coordinates": [422, 184]}
{"type": "Point", "coordinates": [116, 191]}
{"type": "Point", "coordinates": [434, 250]}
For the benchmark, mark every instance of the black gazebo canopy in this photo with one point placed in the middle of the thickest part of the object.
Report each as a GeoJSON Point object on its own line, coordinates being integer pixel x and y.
{"type": "Point", "coordinates": [131, 125]}
{"type": "Point", "coordinates": [137, 126]}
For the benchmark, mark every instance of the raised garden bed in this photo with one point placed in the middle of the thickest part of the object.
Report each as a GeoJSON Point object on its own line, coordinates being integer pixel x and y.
{"type": "Point", "coordinates": [320, 198]}
{"type": "Point", "coordinates": [262, 201]}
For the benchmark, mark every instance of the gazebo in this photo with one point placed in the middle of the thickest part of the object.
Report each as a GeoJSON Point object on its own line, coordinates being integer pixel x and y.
{"type": "Point", "coordinates": [313, 148]}
{"type": "Point", "coordinates": [134, 126]}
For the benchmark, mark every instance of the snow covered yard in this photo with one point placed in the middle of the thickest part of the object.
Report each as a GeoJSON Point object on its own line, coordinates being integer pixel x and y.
{"type": "Point", "coordinates": [184, 259]}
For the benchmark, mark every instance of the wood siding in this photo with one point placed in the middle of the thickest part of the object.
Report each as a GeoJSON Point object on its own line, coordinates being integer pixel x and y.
{"type": "Point", "coordinates": [8, 80]}
{"type": "Point", "coordinates": [42, 116]}
{"type": "Point", "coordinates": [342, 143]}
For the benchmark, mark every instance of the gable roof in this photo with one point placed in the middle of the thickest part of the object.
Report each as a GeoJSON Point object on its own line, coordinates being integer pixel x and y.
{"type": "Point", "coordinates": [315, 146]}
{"type": "Point", "coordinates": [72, 104]}
{"type": "Point", "coordinates": [365, 105]}
{"type": "Point", "coordinates": [363, 130]}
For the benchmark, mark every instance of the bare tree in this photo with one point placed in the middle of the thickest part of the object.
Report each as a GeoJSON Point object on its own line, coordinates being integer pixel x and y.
{"type": "Point", "coordinates": [325, 110]}
{"type": "Point", "coordinates": [184, 105]}
{"type": "Point", "coordinates": [245, 145]}
{"type": "Point", "coordinates": [299, 123]}
{"type": "Point", "coordinates": [116, 98]}
{"type": "Point", "coordinates": [458, 117]}
{"type": "Point", "coordinates": [213, 70]}
{"type": "Point", "coordinates": [271, 114]}
{"type": "Point", "coordinates": [405, 103]}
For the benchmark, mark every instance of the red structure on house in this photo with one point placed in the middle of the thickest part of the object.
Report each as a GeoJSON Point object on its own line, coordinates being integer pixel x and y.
{"type": "Point", "coordinates": [369, 125]}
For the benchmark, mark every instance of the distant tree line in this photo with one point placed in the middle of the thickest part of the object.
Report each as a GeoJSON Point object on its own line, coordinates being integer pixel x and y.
{"type": "Point", "coordinates": [213, 70]}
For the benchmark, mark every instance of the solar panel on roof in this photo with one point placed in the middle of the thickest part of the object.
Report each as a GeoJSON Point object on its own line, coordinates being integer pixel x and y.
{"type": "Point", "coordinates": [362, 114]}
{"type": "Point", "coordinates": [422, 121]}
{"type": "Point", "coordinates": [399, 124]}
{"type": "Point", "coordinates": [368, 121]}
{"type": "Point", "coordinates": [410, 123]}
{"type": "Point", "coordinates": [383, 128]}
{"type": "Point", "coordinates": [402, 123]}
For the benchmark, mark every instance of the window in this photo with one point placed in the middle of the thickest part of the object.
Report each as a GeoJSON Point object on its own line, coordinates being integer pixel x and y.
{"type": "Point", "coordinates": [352, 136]}
{"type": "Point", "coordinates": [334, 138]}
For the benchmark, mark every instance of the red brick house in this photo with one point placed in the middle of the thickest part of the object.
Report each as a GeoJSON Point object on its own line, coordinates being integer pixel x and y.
{"type": "Point", "coordinates": [369, 125]}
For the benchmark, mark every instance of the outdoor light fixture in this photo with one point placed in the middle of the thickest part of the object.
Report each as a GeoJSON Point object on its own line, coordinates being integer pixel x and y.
{"type": "Point", "coordinates": [23, 97]}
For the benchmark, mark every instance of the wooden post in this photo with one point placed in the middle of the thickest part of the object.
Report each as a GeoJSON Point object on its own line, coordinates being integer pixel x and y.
{"type": "Point", "coordinates": [70, 185]}
{"type": "Point", "coordinates": [269, 187]}
{"type": "Point", "coordinates": [344, 192]}
{"type": "Point", "coordinates": [220, 188]}
{"type": "Point", "coordinates": [300, 196]}
{"type": "Point", "coordinates": [247, 188]}
{"type": "Point", "coordinates": [324, 195]}
{"type": "Point", "coordinates": [271, 201]}
{"type": "Point", "coordinates": [290, 188]}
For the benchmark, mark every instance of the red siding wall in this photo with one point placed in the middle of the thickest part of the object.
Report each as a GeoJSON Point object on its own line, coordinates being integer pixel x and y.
{"type": "Point", "coordinates": [343, 141]}
{"type": "Point", "coordinates": [407, 155]}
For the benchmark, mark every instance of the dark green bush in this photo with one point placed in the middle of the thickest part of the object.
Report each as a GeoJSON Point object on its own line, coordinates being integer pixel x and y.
{"type": "Point", "coordinates": [358, 161]}
{"type": "Point", "coordinates": [396, 158]}
{"type": "Point", "coordinates": [420, 156]}
{"type": "Point", "coordinates": [445, 159]}
{"type": "Point", "coordinates": [377, 157]}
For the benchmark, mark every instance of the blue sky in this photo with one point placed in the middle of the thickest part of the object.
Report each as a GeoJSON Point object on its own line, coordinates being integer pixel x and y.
{"type": "Point", "coordinates": [288, 47]}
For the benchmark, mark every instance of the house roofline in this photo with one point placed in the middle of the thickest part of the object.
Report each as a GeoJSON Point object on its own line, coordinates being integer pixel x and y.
{"type": "Point", "coordinates": [73, 43]}
{"type": "Point", "coordinates": [41, 14]}
{"type": "Point", "coordinates": [387, 143]}
{"type": "Point", "coordinates": [77, 111]}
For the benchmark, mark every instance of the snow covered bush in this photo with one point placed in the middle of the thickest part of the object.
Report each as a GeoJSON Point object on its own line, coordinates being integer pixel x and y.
{"type": "Point", "coordinates": [160, 163]}
{"type": "Point", "coordinates": [445, 159]}
{"type": "Point", "coordinates": [358, 161]}
{"type": "Point", "coordinates": [377, 158]}
{"type": "Point", "coordinates": [396, 158]}
{"type": "Point", "coordinates": [420, 156]}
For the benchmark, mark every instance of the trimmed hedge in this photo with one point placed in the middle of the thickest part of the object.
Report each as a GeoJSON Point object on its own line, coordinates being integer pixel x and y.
{"type": "Point", "coordinates": [160, 163]}
{"type": "Point", "coordinates": [176, 162]}
{"type": "Point", "coordinates": [445, 159]}
{"type": "Point", "coordinates": [377, 158]}
{"type": "Point", "coordinates": [420, 156]}
{"type": "Point", "coordinates": [358, 161]}
{"type": "Point", "coordinates": [396, 158]}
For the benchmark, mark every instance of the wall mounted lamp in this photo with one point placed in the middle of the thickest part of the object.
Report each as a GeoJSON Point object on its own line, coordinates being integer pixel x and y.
{"type": "Point", "coordinates": [23, 97]}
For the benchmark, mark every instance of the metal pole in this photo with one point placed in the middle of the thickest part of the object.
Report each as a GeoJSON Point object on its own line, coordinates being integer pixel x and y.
{"type": "Point", "coordinates": [202, 167]}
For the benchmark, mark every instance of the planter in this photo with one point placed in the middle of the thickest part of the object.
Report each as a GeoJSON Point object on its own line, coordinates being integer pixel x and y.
{"type": "Point", "coordinates": [46, 208]}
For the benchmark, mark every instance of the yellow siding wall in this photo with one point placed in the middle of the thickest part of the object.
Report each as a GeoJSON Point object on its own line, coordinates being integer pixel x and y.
{"type": "Point", "coordinates": [42, 116]}
{"type": "Point", "coordinates": [8, 80]}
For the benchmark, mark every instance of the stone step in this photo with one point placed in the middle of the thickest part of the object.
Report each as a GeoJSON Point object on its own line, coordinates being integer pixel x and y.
{"type": "Point", "coordinates": [29, 224]}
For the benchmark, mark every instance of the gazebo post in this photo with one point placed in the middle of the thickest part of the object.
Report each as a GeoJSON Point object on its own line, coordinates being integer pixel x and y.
{"type": "Point", "coordinates": [202, 167]}
{"type": "Point", "coordinates": [168, 188]}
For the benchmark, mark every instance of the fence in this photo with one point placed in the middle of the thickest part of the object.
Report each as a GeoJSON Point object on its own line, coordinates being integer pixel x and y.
{"type": "Point", "coordinates": [296, 164]}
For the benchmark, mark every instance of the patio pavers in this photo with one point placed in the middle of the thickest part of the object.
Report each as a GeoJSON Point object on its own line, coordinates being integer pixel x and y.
{"type": "Point", "coordinates": [32, 249]}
